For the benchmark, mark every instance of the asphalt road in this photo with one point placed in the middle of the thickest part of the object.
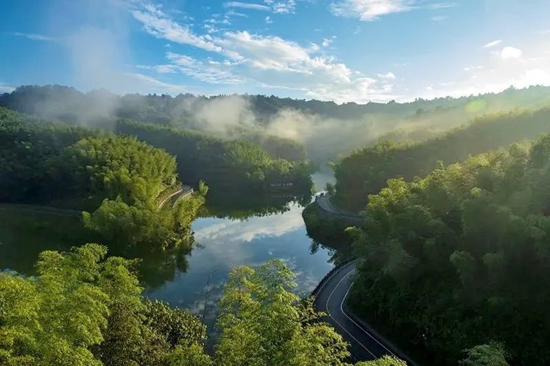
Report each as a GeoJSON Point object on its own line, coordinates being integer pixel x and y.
{"type": "Point", "coordinates": [330, 299]}
{"type": "Point", "coordinates": [324, 203]}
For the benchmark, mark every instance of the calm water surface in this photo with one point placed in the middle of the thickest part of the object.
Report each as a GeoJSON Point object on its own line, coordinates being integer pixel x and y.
{"type": "Point", "coordinates": [227, 243]}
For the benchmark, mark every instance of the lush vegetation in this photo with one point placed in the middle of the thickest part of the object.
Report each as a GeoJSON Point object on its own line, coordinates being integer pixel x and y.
{"type": "Point", "coordinates": [237, 166]}
{"type": "Point", "coordinates": [461, 258]}
{"type": "Point", "coordinates": [120, 180]}
{"type": "Point", "coordinates": [85, 309]}
{"type": "Point", "coordinates": [68, 104]}
{"type": "Point", "coordinates": [366, 171]}
{"type": "Point", "coordinates": [281, 126]}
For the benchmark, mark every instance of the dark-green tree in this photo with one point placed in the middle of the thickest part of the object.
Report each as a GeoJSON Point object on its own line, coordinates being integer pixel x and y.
{"type": "Point", "coordinates": [461, 258]}
{"type": "Point", "coordinates": [367, 170]}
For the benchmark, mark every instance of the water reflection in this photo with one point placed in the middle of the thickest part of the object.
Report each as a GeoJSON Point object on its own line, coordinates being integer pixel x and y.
{"type": "Point", "coordinates": [227, 243]}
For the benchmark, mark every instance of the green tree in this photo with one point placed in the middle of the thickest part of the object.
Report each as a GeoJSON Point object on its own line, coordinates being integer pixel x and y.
{"type": "Point", "coordinates": [55, 317]}
{"type": "Point", "coordinates": [470, 240]}
{"type": "Point", "coordinates": [492, 354]}
{"type": "Point", "coordinates": [384, 361]}
{"type": "Point", "coordinates": [264, 322]}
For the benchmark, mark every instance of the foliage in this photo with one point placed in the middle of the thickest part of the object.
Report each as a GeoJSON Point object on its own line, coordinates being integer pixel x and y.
{"type": "Point", "coordinates": [264, 322]}
{"type": "Point", "coordinates": [239, 166]}
{"type": "Point", "coordinates": [469, 241]}
{"type": "Point", "coordinates": [367, 170]}
{"type": "Point", "coordinates": [326, 230]}
{"type": "Point", "coordinates": [121, 181]}
{"type": "Point", "coordinates": [54, 318]}
{"type": "Point", "coordinates": [385, 361]}
{"type": "Point", "coordinates": [85, 309]}
{"type": "Point", "coordinates": [70, 105]}
{"type": "Point", "coordinates": [492, 354]}
{"type": "Point", "coordinates": [113, 166]}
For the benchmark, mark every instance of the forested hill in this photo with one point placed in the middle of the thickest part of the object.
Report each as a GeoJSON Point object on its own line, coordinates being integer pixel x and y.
{"type": "Point", "coordinates": [462, 257]}
{"type": "Point", "coordinates": [286, 128]}
{"type": "Point", "coordinates": [119, 182]}
{"type": "Point", "coordinates": [366, 171]}
{"type": "Point", "coordinates": [66, 103]}
{"type": "Point", "coordinates": [227, 166]}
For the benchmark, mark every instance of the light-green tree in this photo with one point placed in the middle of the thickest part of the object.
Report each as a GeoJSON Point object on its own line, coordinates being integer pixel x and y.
{"type": "Point", "coordinates": [384, 361]}
{"type": "Point", "coordinates": [492, 354]}
{"type": "Point", "coordinates": [264, 322]}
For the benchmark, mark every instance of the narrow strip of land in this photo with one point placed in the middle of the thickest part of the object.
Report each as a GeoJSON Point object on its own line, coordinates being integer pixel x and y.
{"type": "Point", "coordinates": [45, 210]}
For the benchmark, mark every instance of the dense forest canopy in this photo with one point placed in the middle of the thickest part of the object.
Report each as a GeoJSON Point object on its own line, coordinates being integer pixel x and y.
{"type": "Point", "coordinates": [237, 165]}
{"type": "Point", "coordinates": [85, 309]}
{"type": "Point", "coordinates": [462, 257]}
{"type": "Point", "coordinates": [366, 171]}
{"type": "Point", "coordinates": [121, 181]}
{"type": "Point", "coordinates": [325, 128]}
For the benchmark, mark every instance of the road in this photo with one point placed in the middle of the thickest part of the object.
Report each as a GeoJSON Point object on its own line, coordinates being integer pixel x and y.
{"type": "Point", "coordinates": [186, 190]}
{"type": "Point", "coordinates": [323, 202]}
{"type": "Point", "coordinates": [330, 299]}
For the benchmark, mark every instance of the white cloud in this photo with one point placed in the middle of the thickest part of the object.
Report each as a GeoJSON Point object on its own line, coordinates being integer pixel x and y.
{"type": "Point", "coordinates": [6, 88]}
{"type": "Point", "coordinates": [444, 5]}
{"type": "Point", "coordinates": [268, 20]}
{"type": "Point", "coordinates": [493, 43]}
{"type": "Point", "coordinates": [232, 13]}
{"type": "Point", "coordinates": [261, 60]}
{"type": "Point", "coordinates": [143, 83]}
{"type": "Point", "coordinates": [368, 10]}
{"type": "Point", "coordinates": [439, 18]}
{"type": "Point", "coordinates": [389, 76]}
{"type": "Point", "coordinates": [510, 66]}
{"type": "Point", "coordinates": [36, 37]}
{"type": "Point", "coordinates": [510, 53]}
{"type": "Point", "coordinates": [326, 42]}
{"type": "Point", "coordinates": [252, 6]}
{"type": "Point", "coordinates": [284, 7]}
{"type": "Point", "coordinates": [207, 71]}
{"type": "Point", "coordinates": [161, 26]}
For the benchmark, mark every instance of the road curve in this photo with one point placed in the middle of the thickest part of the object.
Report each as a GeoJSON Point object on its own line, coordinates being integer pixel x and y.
{"type": "Point", "coordinates": [330, 300]}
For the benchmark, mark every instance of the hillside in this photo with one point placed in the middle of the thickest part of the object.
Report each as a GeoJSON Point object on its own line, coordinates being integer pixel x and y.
{"type": "Point", "coordinates": [282, 126]}
{"type": "Point", "coordinates": [366, 171]}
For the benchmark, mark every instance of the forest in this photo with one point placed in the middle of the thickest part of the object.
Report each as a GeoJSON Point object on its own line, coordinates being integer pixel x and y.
{"type": "Point", "coordinates": [462, 257]}
{"type": "Point", "coordinates": [237, 165]}
{"type": "Point", "coordinates": [453, 247]}
{"type": "Point", "coordinates": [84, 308]}
{"type": "Point", "coordinates": [366, 171]}
{"type": "Point", "coordinates": [118, 182]}
{"type": "Point", "coordinates": [286, 128]}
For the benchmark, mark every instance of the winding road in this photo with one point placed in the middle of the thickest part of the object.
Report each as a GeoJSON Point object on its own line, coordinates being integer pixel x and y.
{"type": "Point", "coordinates": [324, 204]}
{"type": "Point", "coordinates": [331, 298]}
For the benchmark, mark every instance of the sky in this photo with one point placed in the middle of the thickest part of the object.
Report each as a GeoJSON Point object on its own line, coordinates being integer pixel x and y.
{"type": "Point", "coordinates": [339, 50]}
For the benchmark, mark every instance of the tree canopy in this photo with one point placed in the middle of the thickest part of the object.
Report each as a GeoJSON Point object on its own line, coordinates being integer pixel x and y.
{"type": "Point", "coordinates": [367, 170]}
{"type": "Point", "coordinates": [83, 308]}
{"type": "Point", "coordinates": [461, 258]}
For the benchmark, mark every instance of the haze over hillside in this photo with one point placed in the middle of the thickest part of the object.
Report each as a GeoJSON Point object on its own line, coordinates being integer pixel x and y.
{"type": "Point", "coordinates": [325, 128]}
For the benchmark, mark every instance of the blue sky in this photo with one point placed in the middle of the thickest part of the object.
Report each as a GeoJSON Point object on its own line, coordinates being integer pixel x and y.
{"type": "Point", "coordinates": [341, 50]}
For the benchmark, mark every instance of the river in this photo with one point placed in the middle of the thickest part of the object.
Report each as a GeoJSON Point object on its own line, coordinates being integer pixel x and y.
{"type": "Point", "coordinates": [225, 243]}
{"type": "Point", "coordinates": [246, 234]}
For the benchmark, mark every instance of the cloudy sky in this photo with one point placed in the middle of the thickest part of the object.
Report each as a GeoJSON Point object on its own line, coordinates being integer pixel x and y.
{"type": "Point", "coordinates": [341, 50]}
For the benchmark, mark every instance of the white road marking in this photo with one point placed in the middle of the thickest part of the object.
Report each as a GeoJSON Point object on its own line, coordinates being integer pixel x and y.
{"type": "Point", "coordinates": [345, 330]}
{"type": "Point", "coordinates": [358, 326]}
{"type": "Point", "coordinates": [332, 275]}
